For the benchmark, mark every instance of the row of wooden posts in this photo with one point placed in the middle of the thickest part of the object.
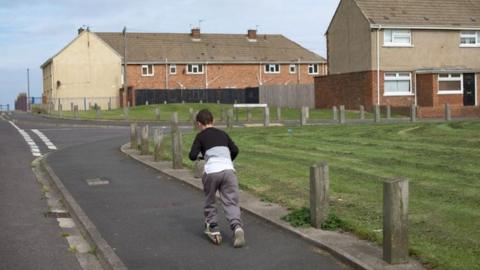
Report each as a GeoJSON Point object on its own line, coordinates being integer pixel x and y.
{"type": "Point", "coordinates": [395, 211]}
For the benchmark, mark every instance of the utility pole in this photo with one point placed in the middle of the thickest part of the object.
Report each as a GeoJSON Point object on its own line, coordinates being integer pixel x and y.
{"type": "Point", "coordinates": [28, 90]}
{"type": "Point", "coordinates": [125, 81]}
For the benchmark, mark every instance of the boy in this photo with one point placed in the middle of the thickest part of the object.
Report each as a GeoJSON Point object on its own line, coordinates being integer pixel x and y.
{"type": "Point", "coordinates": [218, 150]}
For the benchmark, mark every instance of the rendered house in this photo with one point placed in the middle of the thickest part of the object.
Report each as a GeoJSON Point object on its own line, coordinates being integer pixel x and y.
{"type": "Point", "coordinates": [168, 61]}
{"type": "Point", "coordinates": [403, 52]}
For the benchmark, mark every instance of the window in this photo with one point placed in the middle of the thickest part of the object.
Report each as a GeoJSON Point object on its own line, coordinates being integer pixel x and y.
{"type": "Point", "coordinates": [397, 83]}
{"type": "Point", "coordinates": [272, 68]}
{"type": "Point", "coordinates": [147, 70]}
{"type": "Point", "coordinates": [397, 37]}
{"type": "Point", "coordinates": [312, 69]}
{"type": "Point", "coordinates": [470, 39]}
{"type": "Point", "coordinates": [450, 83]}
{"type": "Point", "coordinates": [195, 69]}
{"type": "Point", "coordinates": [173, 69]}
{"type": "Point", "coordinates": [293, 69]}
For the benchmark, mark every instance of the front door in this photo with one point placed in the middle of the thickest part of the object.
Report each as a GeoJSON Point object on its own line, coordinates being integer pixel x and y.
{"type": "Point", "coordinates": [469, 89]}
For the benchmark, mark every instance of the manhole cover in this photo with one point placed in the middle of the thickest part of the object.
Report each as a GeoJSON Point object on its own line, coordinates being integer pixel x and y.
{"type": "Point", "coordinates": [97, 181]}
{"type": "Point", "coordinates": [51, 214]}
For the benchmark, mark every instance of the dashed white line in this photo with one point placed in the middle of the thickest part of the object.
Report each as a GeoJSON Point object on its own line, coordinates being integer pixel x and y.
{"type": "Point", "coordinates": [45, 140]}
{"type": "Point", "coordinates": [33, 147]}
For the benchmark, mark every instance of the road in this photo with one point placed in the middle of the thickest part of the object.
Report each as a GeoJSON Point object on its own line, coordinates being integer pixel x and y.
{"type": "Point", "coordinates": [149, 219]}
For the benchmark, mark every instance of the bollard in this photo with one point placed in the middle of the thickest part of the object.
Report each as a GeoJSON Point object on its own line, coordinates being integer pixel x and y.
{"type": "Point", "coordinates": [193, 118]}
{"type": "Point", "coordinates": [144, 146]}
{"type": "Point", "coordinates": [158, 145]}
{"type": "Point", "coordinates": [236, 114]}
{"type": "Point", "coordinates": [448, 112]}
{"type": "Point", "coordinates": [307, 112]}
{"type": "Point", "coordinates": [389, 112]}
{"type": "Point", "coordinates": [75, 112]}
{"type": "Point", "coordinates": [84, 103]}
{"type": "Point", "coordinates": [266, 117]}
{"type": "Point", "coordinates": [146, 103]}
{"type": "Point", "coordinates": [413, 113]}
{"type": "Point", "coordinates": [176, 142]}
{"type": "Point", "coordinates": [279, 114]}
{"type": "Point", "coordinates": [319, 186]}
{"type": "Point", "coordinates": [110, 104]}
{"type": "Point", "coordinates": [164, 102]}
{"type": "Point", "coordinates": [133, 136]}
{"type": "Point", "coordinates": [222, 114]}
{"type": "Point", "coordinates": [376, 113]}
{"type": "Point", "coordinates": [303, 116]}
{"type": "Point", "coordinates": [249, 115]}
{"type": "Point", "coordinates": [342, 118]}
{"type": "Point", "coordinates": [395, 221]}
{"type": "Point", "coordinates": [157, 114]}
{"type": "Point", "coordinates": [362, 112]}
{"type": "Point", "coordinates": [60, 110]}
{"type": "Point", "coordinates": [201, 101]}
{"type": "Point", "coordinates": [125, 112]}
{"type": "Point", "coordinates": [218, 101]}
{"type": "Point", "coordinates": [97, 112]}
{"type": "Point", "coordinates": [198, 168]}
{"type": "Point", "coordinates": [230, 118]}
{"type": "Point", "coordinates": [71, 106]}
{"type": "Point", "coordinates": [334, 113]}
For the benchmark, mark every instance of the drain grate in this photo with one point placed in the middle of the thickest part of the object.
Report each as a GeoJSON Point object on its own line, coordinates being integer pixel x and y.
{"type": "Point", "coordinates": [51, 214]}
{"type": "Point", "coordinates": [97, 181]}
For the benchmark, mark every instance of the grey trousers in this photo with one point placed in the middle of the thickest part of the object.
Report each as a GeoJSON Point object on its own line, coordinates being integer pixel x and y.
{"type": "Point", "coordinates": [226, 183]}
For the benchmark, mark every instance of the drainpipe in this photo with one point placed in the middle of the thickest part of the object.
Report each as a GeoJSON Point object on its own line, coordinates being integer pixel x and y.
{"type": "Point", "coordinates": [260, 73]}
{"type": "Point", "coordinates": [415, 78]}
{"type": "Point", "coordinates": [166, 73]}
{"type": "Point", "coordinates": [206, 75]}
{"type": "Point", "coordinates": [298, 71]}
{"type": "Point", "coordinates": [378, 64]}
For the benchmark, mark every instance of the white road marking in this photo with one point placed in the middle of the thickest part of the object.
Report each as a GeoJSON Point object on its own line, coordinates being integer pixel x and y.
{"type": "Point", "coordinates": [45, 140]}
{"type": "Point", "coordinates": [33, 146]}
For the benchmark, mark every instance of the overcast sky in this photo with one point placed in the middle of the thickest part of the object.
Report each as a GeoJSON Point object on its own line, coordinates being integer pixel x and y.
{"type": "Point", "coordinates": [32, 31]}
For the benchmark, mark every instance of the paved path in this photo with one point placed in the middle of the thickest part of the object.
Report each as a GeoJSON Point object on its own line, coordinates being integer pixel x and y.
{"type": "Point", "coordinates": [154, 222]}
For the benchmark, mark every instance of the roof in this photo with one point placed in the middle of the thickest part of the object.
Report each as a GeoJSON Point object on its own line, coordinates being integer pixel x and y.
{"type": "Point", "coordinates": [422, 13]}
{"type": "Point", "coordinates": [211, 48]}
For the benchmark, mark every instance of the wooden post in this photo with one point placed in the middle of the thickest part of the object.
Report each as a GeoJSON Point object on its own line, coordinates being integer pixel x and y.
{"type": "Point", "coordinates": [133, 136]}
{"type": "Point", "coordinates": [342, 119]}
{"type": "Point", "coordinates": [236, 113]}
{"type": "Point", "coordinates": [335, 113]}
{"type": "Point", "coordinates": [75, 112]}
{"type": "Point", "coordinates": [413, 113]}
{"type": "Point", "coordinates": [395, 221]}
{"type": "Point", "coordinates": [249, 115]}
{"type": "Point", "coordinates": [266, 117]}
{"type": "Point", "coordinates": [389, 112]}
{"type": "Point", "coordinates": [448, 112]}
{"type": "Point", "coordinates": [144, 147]}
{"type": "Point", "coordinates": [222, 114]}
{"type": "Point", "coordinates": [362, 112]}
{"type": "Point", "coordinates": [376, 113]}
{"type": "Point", "coordinates": [279, 114]}
{"type": "Point", "coordinates": [303, 116]}
{"type": "Point", "coordinates": [60, 110]}
{"type": "Point", "coordinates": [97, 112]}
{"type": "Point", "coordinates": [125, 112]}
{"type": "Point", "coordinates": [230, 118]}
{"type": "Point", "coordinates": [193, 118]}
{"type": "Point", "coordinates": [198, 168]}
{"type": "Point", "coordinates": [176, 143]}
{"type": "Point", "coordinates": [157, 114]}
{"type": "Point", "coordinates": [158, 142]}
{"type": "Point", "coordinates": [319, 187]}
{"type": "Point", "coordinates": [110, 104]}
{"type": "Point", "coordinates": [71, 106]}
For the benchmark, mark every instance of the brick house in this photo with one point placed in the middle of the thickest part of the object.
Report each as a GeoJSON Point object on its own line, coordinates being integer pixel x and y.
{"type": "Point", "coordinates": [398, 53]}
{"type": "Point", "coordinates": [165, 61]}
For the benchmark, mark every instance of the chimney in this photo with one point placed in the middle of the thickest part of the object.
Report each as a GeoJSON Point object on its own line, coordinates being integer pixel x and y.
{"type": "Point", "coordinates": [252, 34]}
{"type": "Point", "coordinates": [195, 33]}
{"type": "Point", "coordinates": [80, 30]}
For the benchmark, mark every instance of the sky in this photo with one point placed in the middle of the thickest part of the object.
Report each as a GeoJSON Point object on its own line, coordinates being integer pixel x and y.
{"type": "Point", "coordinates": [32, 31]}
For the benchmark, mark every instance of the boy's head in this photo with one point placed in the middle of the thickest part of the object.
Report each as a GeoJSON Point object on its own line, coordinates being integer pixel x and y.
{"type": "Point", "coordinates": [205, 117]}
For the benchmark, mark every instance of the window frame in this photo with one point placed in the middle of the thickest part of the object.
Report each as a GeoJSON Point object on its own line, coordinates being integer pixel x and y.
{"type": "Point", "coordinates": [174, 67]}
{"type": "Point", "coordinates": [294, 66]}
{"type": "Point", "coordinates": [397, 78]}
{"type": "Point", "coordinates": [394, 34]}
{"type": "Point", "coordinates": [148, 74]}
{"type": "Point", "coordinates": [268, 70]}
{"type": "Point", "coordinates": [475, 35]}
{"type": "Point", "coordinates": [314, 66]}
{"type": "Point", "coordinates": [450, 79]}
{"type": "Point", "coordinates": [191, 69]}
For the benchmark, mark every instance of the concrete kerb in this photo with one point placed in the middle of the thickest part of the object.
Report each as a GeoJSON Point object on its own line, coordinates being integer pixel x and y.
{"type": "Point", "coordinates": [359, 254]}
{"type": "Point", "coordinates": [104, 252]}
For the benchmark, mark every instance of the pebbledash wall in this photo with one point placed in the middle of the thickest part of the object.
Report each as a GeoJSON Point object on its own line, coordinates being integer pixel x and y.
{"type": "Point", "coordinates": [216, 76]}
{"type": "Point", "coordinates": [360, 88]}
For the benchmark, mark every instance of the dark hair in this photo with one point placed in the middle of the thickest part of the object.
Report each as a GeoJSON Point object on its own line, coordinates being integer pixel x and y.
{"type": "Point", "coordinates": [205, 117]}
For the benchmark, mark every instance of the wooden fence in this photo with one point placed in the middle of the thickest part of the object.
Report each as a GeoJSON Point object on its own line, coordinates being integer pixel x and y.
{"type": "Point", "coordinates": [292, 96]}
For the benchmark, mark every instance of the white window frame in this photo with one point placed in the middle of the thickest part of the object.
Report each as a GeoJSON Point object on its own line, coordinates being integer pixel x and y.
{"type": "Point", "coordinates": [311, 69]}
{"type": "Point", "coordinates": [450, 79]}
{"type": "Point", "coordinates": [397, 33]}
{"type": "Point", "coordinates": [195, 69]}
{"type": "Point", "coordinates": [470, 34]}
{"type": "Point", "coordinates": [292, 69]}
{"type": "Point", "coordinates": [272, 68]}
{"type": "Point", "coordinates": [398, 77]}
{"type": "Point", "coordinates": [172, 67]}
{"type": "Point", "coordinates": [147, 73]}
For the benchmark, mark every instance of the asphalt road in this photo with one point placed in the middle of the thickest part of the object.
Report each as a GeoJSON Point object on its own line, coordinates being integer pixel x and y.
{"type": "Point", "coordinates": [153, 221]}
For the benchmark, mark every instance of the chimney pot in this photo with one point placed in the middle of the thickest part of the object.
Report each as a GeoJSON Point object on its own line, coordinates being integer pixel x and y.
{"type": "Point", "coordinates": [195, 33]}
{"type": "Point", "coordinates": [252, 34]}
{"type": "Point", "coordinates": [80, 30]}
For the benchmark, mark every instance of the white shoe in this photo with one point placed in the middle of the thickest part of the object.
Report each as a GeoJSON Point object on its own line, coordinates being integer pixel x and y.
{"type": "Point", "coordinates": [239, 237]}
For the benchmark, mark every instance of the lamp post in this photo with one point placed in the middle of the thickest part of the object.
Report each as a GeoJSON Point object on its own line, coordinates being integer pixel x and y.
{"type": "Point", "coordinates": [125, 81]}
{"type": "Point", "coordinates": [28, 89]}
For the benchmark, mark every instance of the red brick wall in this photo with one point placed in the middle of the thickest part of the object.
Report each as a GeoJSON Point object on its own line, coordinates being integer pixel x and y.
{"type": "Point", "coordinates": [457, 111]}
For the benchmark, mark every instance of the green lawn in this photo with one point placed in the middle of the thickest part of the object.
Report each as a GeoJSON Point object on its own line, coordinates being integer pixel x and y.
{"type": "Point", "coordinates": [148, 112]}
{"type": "Point", "coordinates": [441, 161]}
